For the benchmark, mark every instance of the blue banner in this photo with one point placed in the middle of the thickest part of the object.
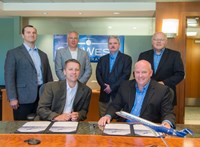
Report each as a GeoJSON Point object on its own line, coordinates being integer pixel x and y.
{"type": "Point", "coordinates": [95, 45]}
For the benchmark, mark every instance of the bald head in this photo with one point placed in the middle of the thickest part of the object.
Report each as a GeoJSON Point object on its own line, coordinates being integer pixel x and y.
{"type": "Point", "coordinates": [159, 34]}
{"type": "Point", "coordinates": [143, 63]}
{"type": "Point", "coordinates": [142, 72]}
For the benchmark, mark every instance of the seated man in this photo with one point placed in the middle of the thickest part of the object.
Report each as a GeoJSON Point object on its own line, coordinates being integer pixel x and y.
{"type": "Point", "coordinates": [143, 97]}
{"type": "Point", "coordinates": [65, 100]}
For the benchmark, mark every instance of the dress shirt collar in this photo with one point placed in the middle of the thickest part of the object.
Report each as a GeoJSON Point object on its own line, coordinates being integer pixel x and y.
{"type": "Point", "coordinates": [114, 55]}
{"type": "Point", "coordinates": [73, 50]}
{"type": "Point", "coordinates": [144, 89]}
{"type": "Point", "coordinates": [28, 48]}
{"type": "Point", "coordinates": [73, 88]}
{"type": "Point", "coordinates": [161, 52]}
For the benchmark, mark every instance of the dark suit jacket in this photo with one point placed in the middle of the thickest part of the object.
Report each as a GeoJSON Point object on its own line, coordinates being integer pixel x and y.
{"type": "Point", "coordinates": [53, 98]}
{"type": "Point", "coordinates": [21, 74]}
{"type": "Point", "coordinates": [157, 105]}
{"type": "Point", "coordinates": [121, 71]}
{"type": "Point", "coordinates": [170, 69]}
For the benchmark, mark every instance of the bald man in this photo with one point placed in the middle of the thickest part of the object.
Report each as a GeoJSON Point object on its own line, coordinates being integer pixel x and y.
{"type": "Point", "coordinates": [142, 97]}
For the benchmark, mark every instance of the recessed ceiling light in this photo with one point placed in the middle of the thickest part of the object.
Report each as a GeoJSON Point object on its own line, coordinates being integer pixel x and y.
{"type": "Point", "coordinates": [116, 13]}
{"type": "Point", "coordinates": [110, 27]}
{"type": "Point", "coordinates": [191, 33]}
{"type": "Point", "coordinates": [197, 41]}
{"type": "Point", "coordinates": [44, 13]}
{"type": "Point", "coordinates": [192, 22]}
{"type": "Point", "coordinates": [134, 28]}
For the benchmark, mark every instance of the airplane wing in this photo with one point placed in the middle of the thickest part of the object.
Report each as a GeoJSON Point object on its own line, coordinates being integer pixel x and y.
{"type": "Point", "coordinates": [154, 126]}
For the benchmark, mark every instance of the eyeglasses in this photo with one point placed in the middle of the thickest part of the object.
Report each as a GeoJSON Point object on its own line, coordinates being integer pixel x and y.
{"type": "Point", "coordinates": [159, 40]}
{"type": "Point", "coordinates": [73, 38]}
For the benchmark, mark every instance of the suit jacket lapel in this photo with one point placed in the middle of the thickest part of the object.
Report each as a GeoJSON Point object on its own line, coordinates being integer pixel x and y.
{"type": "Point", "coordinates": [107, 65]}
{"type": "Point", "coordinates": [62, 90]}
{"type": "Point", "coordinates": [79, 55]}
{"type": "Point", "coordinates": [116, 61]}
{"type": "Point", "coordinates": [151, 59]}
{"type": "Point", "coordinates": [162, 60]}
{"type": "Point", "coordinates": [26, 54]}
{"type": "Point", "coordinates": [68, 54]}
{"type": "Point", "coordinates": [79, 94]}
{"type": "Point", "coordinates": [132, 95]}
{"type": "Point", "coordinates": [147, 98]}
{"type": "Point", "coordinates": [42, 61]}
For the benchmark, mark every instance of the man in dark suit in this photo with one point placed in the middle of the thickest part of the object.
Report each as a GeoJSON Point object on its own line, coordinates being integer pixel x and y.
{"type": "Point", "coordinates": [167, 64]}
{"type": "Point", "coordinates": [143, 97]}
{"type": "Point", "coordinates": [26, 69]}
{"type": "Point", "coordinates": [73, 52]}
{"type": "Point", "coordinates": [65, 100]}
{"type": "Point", "coordinates": [111, 70]}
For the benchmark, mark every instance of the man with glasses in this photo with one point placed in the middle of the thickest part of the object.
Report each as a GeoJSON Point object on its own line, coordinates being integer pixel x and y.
{"type": "Point", "coordinates": [73, 52]}
{"type": "Point", "coordinates": [167, 64]}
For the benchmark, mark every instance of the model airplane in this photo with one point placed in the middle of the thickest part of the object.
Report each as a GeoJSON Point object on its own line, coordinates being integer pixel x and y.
{"type": "Point", "coordinates": [156, 127]}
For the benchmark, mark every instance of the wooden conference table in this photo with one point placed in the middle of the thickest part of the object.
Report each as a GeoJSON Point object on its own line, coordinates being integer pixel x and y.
{"type": "Point", "coordinates": [88, 134]}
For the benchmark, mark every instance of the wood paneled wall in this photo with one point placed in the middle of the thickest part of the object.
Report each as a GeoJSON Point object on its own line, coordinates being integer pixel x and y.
{"type": "Point", "coordinates": [178, 10]}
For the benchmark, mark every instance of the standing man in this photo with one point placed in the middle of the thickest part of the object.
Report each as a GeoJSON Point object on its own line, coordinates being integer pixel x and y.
{"type": "Point", "coordinates": [73, 52]}
{"type": "Point", "coordinates": [167, 64]}
{"type": "Point", "coordinates": [26, 69]}
{"type": "Point", "coordinates": [111, 70]}
{"type": "Point", "coordinates": [66, 100]}
{"type": "Point", "coordinates": [142, 97]}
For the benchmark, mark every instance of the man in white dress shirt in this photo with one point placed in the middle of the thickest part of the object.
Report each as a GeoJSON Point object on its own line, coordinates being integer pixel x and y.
{"type": "Point", "coordinates": [73, 52]}
{"type": "Point", "coordinates": [66, 100]}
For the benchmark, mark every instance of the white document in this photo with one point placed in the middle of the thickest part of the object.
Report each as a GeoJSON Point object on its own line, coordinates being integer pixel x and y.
{"type": "Point", "coordinates": [117, 129]}
{"type": "Point", "coordinates": [142, 130]}
{"type": "Point", "coordinates": [69, 126]}
{"type": "Point", "coordinates": [34, 126]}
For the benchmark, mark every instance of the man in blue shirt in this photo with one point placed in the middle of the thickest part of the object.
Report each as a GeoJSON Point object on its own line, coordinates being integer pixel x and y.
{"type": "Point", "coordinates": [143, 97]}
{"type": "Point", "coordinates": [167, 64]}
{"type": "Point", "coordinates": [111, 70]}
{"type": "Point", "coordinates": [26, 69]}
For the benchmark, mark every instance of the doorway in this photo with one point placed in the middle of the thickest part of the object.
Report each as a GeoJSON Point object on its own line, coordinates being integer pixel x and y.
{"type": "Point", "coordinates": [192, 82]}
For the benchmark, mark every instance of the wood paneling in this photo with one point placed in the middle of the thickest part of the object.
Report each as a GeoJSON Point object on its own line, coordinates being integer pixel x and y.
{"type": "Point", "coordinates": [7, 112]}
{"type": "Point", "coordinates": [93, 112]}
{"type": "Point", "coordinates": [179, 10]}
{"type": "Point", "coordinates": [71, 140]}
{"type": "Point", "coordinates": [192, 69]}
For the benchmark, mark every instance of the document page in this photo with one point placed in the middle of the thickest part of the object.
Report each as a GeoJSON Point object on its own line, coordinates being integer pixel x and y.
{"type": "Point", "coordinates": [142, 130]}
{"type": "Point", "coordinates": [117, 129]}
{"type": "Point", "coordinates": [69, 126]}
{"type": "Point", "coordinates": [34, 126]}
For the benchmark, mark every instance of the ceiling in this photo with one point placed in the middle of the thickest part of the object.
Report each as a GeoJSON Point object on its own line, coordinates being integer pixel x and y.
{"type": "Point", "coordinates": [82, 8]}
{"type": "Point", "coordinates": [77, 8]}
{"type": "Point", "coordinates": [67, 1]}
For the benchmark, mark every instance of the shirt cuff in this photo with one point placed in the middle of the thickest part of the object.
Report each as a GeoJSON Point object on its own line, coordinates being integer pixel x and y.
{"type": "Point", "coordinates": [109, 116]}
{"type": "Point", "coordinates": [172, 126]}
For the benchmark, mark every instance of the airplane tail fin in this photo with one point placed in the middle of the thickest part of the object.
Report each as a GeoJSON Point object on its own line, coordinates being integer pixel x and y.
{"type": "Point", "coordinates": [184, 132]}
